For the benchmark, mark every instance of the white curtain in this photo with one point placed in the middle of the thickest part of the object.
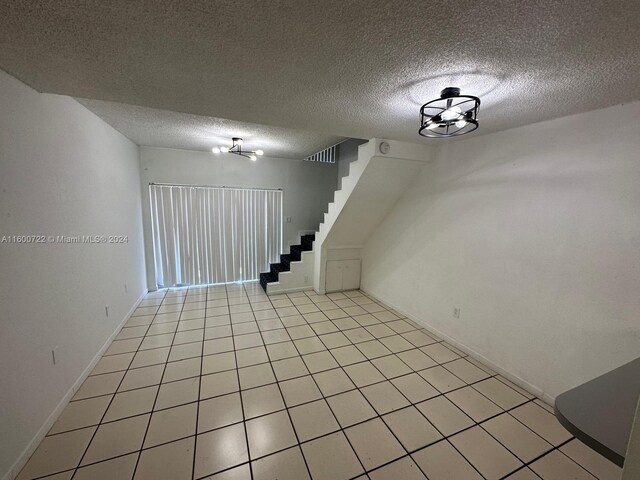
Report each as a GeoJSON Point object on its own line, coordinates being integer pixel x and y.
{"type": "Point", "coordinates": [214, 234]}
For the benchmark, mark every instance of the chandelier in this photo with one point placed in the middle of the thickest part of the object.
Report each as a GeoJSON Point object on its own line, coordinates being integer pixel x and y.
{"type": "Point", "coordinates": [237, 150]}
{"type": "Point", "coordinates": [450, 115]}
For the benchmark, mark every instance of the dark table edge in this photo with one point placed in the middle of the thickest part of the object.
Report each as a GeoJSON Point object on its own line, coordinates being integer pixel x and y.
{"type": "Point", "coordinates": [586, 439]}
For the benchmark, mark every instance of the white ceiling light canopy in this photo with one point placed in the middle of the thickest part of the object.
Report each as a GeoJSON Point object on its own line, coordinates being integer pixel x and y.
{"type": "Point", "coordinates": [450, 115]}
{"type": "Point", "coordinates": [236, 149]}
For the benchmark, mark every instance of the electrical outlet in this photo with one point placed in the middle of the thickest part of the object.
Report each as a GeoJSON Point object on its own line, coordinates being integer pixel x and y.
{"type": "Point", "coordinates": [106, 310]}
{"type": "Point", "coordinates": [306, 278]}
{"type": "Point", "coordinates": [54, 355]}
{"type": "Point", "coordinates": [456, 312]}
{"type": "Point", "coordinates": [287, 219]}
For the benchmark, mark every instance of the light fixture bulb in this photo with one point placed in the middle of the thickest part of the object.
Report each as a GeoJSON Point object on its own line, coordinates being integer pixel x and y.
{"type": "Point", "coordinates": [433, 125]}
{"type": "Point", "coordinates": [215, 149]}
{"type": "Point", "coordinates": [239, 141]}
{"type": "Point", "coordinates": [253, 157]}
{"type": "Point", "coordinates": [461, 123]}
{"type": "Point", "coordinates": [259, 152]}
{"type": "Point", "coordinates": [451, 113]}
{"type": "Point", "coordinates": [224, 149]}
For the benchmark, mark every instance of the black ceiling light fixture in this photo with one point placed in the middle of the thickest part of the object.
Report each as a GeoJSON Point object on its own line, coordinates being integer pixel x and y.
{"type": "Point", "coordinates": [237, 150]}
{"type": "Point", "coordinates": [450, 115]}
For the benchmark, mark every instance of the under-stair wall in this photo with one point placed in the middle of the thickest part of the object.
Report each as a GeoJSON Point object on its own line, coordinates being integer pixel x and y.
{"type": "Point", "coordinates": [375, 183]}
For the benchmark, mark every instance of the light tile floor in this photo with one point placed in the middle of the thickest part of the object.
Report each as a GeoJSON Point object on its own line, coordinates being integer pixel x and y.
{"type": "Point", "coordinates": [225, 383]}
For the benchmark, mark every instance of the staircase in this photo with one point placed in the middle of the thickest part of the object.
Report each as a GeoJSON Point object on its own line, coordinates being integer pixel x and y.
{"type": "Point", "coordinates": [375, 182]}
{"type": "Point", "coordinates": [272, 278]}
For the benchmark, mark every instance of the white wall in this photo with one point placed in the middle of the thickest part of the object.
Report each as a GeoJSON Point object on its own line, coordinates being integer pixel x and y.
{"type": "Point", "coordinates": [347, 153]}
{"type": "Point", "coordinates": [63, 171]}
{"type": "Point", "coordinates": [307, 186]}
{"type": "Point", "coordinates": [535, 234]}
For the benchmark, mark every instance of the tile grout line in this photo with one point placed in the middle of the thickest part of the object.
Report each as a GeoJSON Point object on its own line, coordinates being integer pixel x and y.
{"type": "Point", "coordinates": [414, 329]}
{"type": "Point", "coordinates": [504, 411]}
{"type": "Point", "coordinates": [479, 424]}
{"type": "Point", "coordinates": [292, 378]}
{"type": "Point", "coordinates": [442, 394]}
{"type": "Point", "coordinates": [195, 436]}
{"type": "Point", "coordinates": [155, 400]}
{"type": "Point", "coordinates": [352, 425]}
{"type": "Point", "coordinates": [412, 404]}
{"type": "Point", "coordinates": [390, 354]}
{"type": "Point", "coordinates": [341, 367]}
{"type": "Point", "coordinates": [295, 432]}
{"type": "Point", "coordinates": [244, 420]}
{"type": "Point", "coordinates": [414, 347]}
{"type": "Point", "coordinates": [110, 403]}
{"type": "Point", "coordinates": [377, 416]}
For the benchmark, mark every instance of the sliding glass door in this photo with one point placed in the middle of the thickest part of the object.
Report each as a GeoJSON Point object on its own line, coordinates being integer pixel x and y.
{"type": "Point", "coordinates": [214, 234]}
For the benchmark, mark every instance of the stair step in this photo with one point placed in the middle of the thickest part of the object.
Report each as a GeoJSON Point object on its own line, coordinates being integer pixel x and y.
{"type": "Point", "coordinates": [307, 242]}
{"type": "Point", "coordinates": [267, 278]}
{"type": "Point", "coordinates": [276, 268]}
{"type": "Point", "coordinates": [294, 255]}
{"type": "Point", "coordinates": [285, 259]}
{"type": "Point", "coordinates": [296, 252]}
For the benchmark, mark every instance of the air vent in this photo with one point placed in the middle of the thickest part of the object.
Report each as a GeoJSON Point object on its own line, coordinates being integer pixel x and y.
{"type": "Point", "coordinates": [328, 155]}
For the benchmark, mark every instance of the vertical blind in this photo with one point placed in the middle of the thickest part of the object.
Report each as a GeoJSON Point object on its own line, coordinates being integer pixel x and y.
{"type": "Point", "coordinates": [214, 234]}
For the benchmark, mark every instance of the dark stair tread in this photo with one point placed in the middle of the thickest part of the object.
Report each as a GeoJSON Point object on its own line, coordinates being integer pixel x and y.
{"type": "Point", "coordinates": [307, 242]}
{"type": "Point", "coordinates": [286, 262]}
{"type": "Point", "coordinates": [267, 278]}
{"type": "Point", "coordinates": [279, 267]}
{"type": "Point", "coordinates": [296, 252]}
{"type": "Point", "coordinates": [294, 255]}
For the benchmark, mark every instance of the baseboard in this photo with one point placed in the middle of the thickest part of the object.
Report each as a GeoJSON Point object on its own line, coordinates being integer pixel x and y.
{"type": "Point", "coordinates": [532, 389]}
{"type": "Point", "coordinates": [51, 419]}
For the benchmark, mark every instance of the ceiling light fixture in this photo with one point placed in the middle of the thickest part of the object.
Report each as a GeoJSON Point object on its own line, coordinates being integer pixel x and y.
{"type": "Point", "coordinates": [237, 150]}
{"type": "Point", "coordinates": [450, 115]}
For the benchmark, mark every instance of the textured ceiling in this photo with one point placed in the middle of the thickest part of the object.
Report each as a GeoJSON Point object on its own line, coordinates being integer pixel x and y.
{"type": "Point", "coordinates": [349, 68]}
{"type": "Point", "coordinates": [163, 128]}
